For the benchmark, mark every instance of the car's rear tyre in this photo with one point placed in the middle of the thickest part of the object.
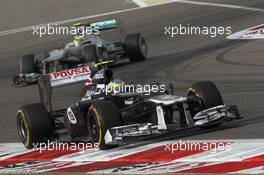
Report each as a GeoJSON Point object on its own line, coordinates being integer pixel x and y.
{"type": "Point", "coordinates": [90, 53]}
{"type": "Point", "coordinates": [102, 115]}
{"type": "Point", "coordinates": [34, 125]}
{"type": "Point", "coordinates": [136, 47]}
{"type": "Point", "coordinates": [27, 64]}
{"type": "Point", "coordinates": [206, 95]}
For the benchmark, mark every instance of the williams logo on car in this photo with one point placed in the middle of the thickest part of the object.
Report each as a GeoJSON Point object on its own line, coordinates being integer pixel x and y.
{"type": "Point", "coordinates": [71, 116]}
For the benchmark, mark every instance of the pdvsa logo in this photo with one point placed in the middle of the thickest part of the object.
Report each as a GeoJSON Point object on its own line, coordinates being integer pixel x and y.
{"type": "Point", "coordinates": [69, 73]}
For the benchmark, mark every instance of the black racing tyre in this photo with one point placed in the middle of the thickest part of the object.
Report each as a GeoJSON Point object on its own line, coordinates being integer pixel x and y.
{"type": "Point", "coordinates": [27, 64]}
{"type": "Point", "coordinates": [136, 47]}
{"type": "Point", "coordinates": [34, 125]}
{"type": "Point", "coordinates": [207, 96]}
{"type": "Point", "coordinates": [102, 115]}
{"type": "Point", "coordinates": [16, 80]}
{"type": "Point", "coordinates": [90, 53]}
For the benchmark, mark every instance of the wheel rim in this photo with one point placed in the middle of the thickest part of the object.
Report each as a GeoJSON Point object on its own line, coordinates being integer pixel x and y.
{"type": "Point", "coordinates": [93, 128]}
{"type": "Point", "coordinates": [143, 47]}
{"type": "Point", "coordinates": [195, 105]}
{"type": "Point", "coordinates": [22, 129]}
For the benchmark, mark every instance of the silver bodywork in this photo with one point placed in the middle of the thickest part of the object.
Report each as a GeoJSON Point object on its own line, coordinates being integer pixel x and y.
{"type": "Point", "coordinates": [76, 48]}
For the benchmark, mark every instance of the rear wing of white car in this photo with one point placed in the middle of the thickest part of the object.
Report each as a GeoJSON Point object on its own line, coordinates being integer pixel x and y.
{"type": "Point", "coordinates": [70, 76]}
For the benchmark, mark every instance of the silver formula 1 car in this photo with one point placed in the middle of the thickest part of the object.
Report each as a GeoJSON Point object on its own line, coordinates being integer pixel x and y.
{"type": "Point", "coordinates": [108, 119]}
{"type": "Point", "coordinates": [85, 48]}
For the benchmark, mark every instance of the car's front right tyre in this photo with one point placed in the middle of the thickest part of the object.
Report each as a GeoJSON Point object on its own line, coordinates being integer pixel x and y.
{"type": "Point", "coordinates": [206, 95]}
{"type": "Point", "coordinates": [102, 115]}
{"type": "Point", "coordinates": [136, 47]}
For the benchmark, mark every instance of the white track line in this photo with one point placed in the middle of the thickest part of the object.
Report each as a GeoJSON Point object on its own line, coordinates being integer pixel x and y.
{"type": "Point", "coordinates": [18, 30]}
{"type": "Point", "coordinates": [141, 3]}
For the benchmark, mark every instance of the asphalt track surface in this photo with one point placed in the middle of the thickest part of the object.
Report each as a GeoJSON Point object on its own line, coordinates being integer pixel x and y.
{"type": "Point", "coordinates": [235, 66]}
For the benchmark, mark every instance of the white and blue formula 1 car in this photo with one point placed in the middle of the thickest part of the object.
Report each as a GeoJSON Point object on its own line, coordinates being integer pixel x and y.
{"type": "Point", "coordinates": [108, 119]}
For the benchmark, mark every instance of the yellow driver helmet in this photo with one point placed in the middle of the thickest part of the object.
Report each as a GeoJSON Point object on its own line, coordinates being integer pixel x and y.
{"type": "Point", "coordinates": [116, 86]}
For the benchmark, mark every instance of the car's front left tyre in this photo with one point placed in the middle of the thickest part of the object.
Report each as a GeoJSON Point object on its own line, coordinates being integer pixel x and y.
{"type": "Point", "coordinates": [34, 125]}
{"type": "Point", "coordinates": [27, 64]}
